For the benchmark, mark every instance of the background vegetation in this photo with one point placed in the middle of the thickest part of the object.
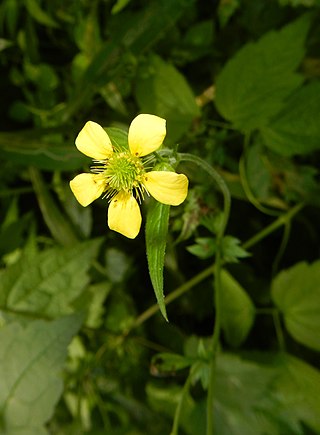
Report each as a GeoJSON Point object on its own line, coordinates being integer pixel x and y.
{"type": "Point", "coordinates": [83, 347]}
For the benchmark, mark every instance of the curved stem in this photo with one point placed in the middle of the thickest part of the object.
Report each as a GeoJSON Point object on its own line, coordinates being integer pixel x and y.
{"type": "Point", "coordinates": [282, 247]}
{"type": "Point", "coordinates": [177, 414]}
{"type": "Point", "coordinates": [220, 182]}
{"type": "Point", "coordinates": [279, 331]}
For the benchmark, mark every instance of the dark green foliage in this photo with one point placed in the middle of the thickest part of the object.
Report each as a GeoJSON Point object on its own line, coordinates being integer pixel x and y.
{"type": "Point", "coordinates": [84, 348]}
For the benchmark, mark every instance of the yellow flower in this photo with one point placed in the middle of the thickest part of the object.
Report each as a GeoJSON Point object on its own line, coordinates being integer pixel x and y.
{"type": "Point", "coordinates": [121, 175]}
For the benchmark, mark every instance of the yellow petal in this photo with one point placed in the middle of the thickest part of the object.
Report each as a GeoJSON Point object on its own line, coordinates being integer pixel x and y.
{"type": "Point", "coordinates": [146, 134]}
{"type": "Point", "coordinates": [167, 187]}
{"type": "Point", "coordinates": [87, 187]}
{"type": "Point", "coordinates": [94, 142]}
{"type": "Point", "coordinates": [124, 215]}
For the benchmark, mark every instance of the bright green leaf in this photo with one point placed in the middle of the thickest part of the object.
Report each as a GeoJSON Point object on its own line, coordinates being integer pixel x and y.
{"type": "Point", "coordinates": [296, 129]}
{"type": "Point", "coordinates": [296, 292]}
{"type": "Point", "coordinates": [237, 310]}
{"type": "Point", "coordinates": [254, 83]}
{"type": "Point", "coordinates": [31, 359]}
{"type": "Point", "coordinates": [163, 90]}
{"type": "Point", "coordinates": [156, 240]}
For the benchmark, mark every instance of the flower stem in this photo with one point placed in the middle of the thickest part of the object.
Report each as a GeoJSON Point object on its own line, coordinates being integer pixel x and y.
{"type": "Point", "coordinates": [217, 280]}
{"type": "Point", "coordinates": [177, 414]}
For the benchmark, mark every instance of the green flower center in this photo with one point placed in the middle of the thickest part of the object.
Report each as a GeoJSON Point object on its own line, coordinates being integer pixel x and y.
{"type": "Point", "coordinates": [122, 171]}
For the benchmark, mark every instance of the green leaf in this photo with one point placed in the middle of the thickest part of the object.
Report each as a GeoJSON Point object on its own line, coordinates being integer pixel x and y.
{"type": "Point", "coordinates": [93, 300]}
{"type": "Point", "coordinates": [237, 310]}
{"type": "Point", "coordinates": [49, 282]}
{"type": "Point", "coordinates": [246, 402]}
{"type": "Point", "coordinates": [254, 83]}
{"type": "Point", "coordinates": [39, 14]}
{"type": "Point", "coordinates": [31, 359]}
{"type": "Point", "coordinates": [119, 138]}
{"type": "Point", "coordinates": [231, 250]}
{"type": "Point", "coordinates": [165, 400]}
{"type": "Point", "coordinates": [298, 387]}
{"type": "Point", "coordinates": [162, 89]}
{"type": "Point", "coordinates": [168, 363]}
{"type": "Point", "coordinates": [59, 226]}
{"type": "Point", "coordinates": [204, 248]}
{"type": "Point", "coordinates": [296, 129]}
{"type": "Point", "coordinates": [257, 413]}
{"type": "Point", "coordinates": [31, 148]}
{"type": "Point", "coordinates": [119, 5]}
{"type": "Point", "coordinates": [141, 31]}
{"type": "Point", "coordinates": [156, 240]}
{"type": "Point", "coordinates": [296, 292]}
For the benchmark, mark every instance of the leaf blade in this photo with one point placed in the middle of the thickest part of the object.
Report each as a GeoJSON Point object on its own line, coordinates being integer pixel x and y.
{"type": "Point", "coordinates": [254, 83]}
{"type": "Point", "coordinates": [156, 239]}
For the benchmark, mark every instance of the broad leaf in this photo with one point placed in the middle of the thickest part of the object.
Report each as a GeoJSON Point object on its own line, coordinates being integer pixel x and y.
{"type": "Point", "coordinates": [161, 89]}
{"type": "Point", "coordinates": [257, 413]}
{"type": "Point", "coordinates": [156, 240]}
{"type": "Point", "coordinates": [49, 282]}
{"type": "Point", "coordinates": [237, 310]}
{"type": "Point", "coordinates": [296, 129]}
{"type": "Point", "coordinates": [298, 386]}
{"type": "Point", "coordinates": [254, 83]}
{"type": "Point", "coordinates": [296, 292]}
{"type": "Point", "coordinates": [31, 360]}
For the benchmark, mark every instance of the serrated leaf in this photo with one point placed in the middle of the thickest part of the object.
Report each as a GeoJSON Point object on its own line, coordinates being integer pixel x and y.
{"type": "Point", "coordinates": [231, 250]}
{"type": "Point", "coordinates": [204, 248]}
{"type": "Point", "coordinates": [254, 83]}
{"type": "Point", "coordinates": [163, 90]}
{"type": "Point", "coordinates": [49, 282]}
{"type": "Point", "coordinates": [296, 129]}
{"type": "Point", "coordinates": [237, 310]}
{"type": "Point", "coordinates": [296, 292]}
{"type": "Point", "coordinates": [156, 240]}
{"type": "Point", "coordinates": [31, 359]}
